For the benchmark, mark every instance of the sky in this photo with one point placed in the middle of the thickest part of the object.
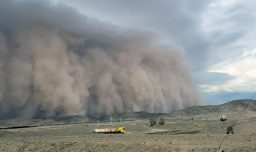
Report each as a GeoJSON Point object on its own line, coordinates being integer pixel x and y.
{"type": "Point", "coordinates": [215, 36]}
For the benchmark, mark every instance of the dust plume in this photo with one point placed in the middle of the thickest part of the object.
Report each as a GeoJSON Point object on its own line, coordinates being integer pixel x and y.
{"type": "Point", "coordinates": [56, 61]}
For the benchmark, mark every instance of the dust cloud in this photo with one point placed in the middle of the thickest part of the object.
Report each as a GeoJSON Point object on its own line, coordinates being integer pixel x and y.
{"type": "Point", "coordinates": [56, 61]}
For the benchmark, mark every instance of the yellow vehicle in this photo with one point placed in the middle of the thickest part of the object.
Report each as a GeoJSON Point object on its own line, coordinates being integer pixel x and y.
{"type": "Point", "coordinates": [120, 130]}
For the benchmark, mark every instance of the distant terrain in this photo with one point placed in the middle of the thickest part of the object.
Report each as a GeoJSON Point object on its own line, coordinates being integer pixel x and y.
{"type": "Point", "coordinates": [229, 107]}
{"type": "Point", "coordinates": [196, 128]}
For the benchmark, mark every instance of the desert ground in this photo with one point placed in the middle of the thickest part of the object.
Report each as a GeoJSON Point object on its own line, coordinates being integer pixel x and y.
{"type": "Point", "coordinates": [179, 133]}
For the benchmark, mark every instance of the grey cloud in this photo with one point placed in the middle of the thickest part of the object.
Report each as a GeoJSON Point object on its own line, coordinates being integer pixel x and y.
{"type": "Point", "coordinates": [180, 21]}
{"type": "Point", "coordinates": [231, 25]}
{"type": "Point", "coordinates": [228, 38]}
{"type": "Point", "coordinates": [213, 78]}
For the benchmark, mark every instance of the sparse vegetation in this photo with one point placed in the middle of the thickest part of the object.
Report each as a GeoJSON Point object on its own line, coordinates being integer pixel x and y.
{"type": "Point", "coordinates": [161, 121]}
{"type": "Point", "coordinates": [152, 121]}
{"type": "Point", "coordinates": [230, 130]}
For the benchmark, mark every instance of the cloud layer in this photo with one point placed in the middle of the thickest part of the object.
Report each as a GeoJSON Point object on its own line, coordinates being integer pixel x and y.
{"type": "Point", "coordinates": [179, 22]}
{"type": "Point", "coordinates": [231, 26]}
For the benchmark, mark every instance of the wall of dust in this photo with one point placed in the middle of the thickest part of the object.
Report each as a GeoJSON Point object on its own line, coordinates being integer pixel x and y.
{"type": "Point", "coordinates": [56, 61]}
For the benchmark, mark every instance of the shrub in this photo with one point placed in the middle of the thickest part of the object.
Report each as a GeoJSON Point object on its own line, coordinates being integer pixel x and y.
{"type": "Point", "coordinates": [161, 121]}
{"type": "Point", "coordinates": [152, 121]}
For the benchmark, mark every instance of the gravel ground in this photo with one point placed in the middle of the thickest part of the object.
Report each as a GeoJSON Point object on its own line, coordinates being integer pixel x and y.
{"type": "Point", "coordinates": [184, 136]}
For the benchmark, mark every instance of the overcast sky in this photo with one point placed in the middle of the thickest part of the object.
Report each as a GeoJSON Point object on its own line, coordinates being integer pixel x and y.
{"type": "Point", "coordinates": [217, 37]}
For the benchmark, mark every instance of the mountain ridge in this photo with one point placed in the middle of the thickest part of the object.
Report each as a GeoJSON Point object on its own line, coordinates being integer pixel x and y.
{"type": "Point", "coordinates": [231, 106]}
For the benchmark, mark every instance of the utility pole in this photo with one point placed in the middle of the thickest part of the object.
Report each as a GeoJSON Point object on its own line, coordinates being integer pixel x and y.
{"type": "Point", "coordinates": [111, 118]}
{"type": "Point", "coordinates": [131, 112]}
{"type": "Point", "coordinates": [155, 108]}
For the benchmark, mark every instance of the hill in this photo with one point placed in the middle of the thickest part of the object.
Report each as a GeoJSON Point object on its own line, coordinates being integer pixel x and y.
{"type": "Point", "coordinates": [229, 107]}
